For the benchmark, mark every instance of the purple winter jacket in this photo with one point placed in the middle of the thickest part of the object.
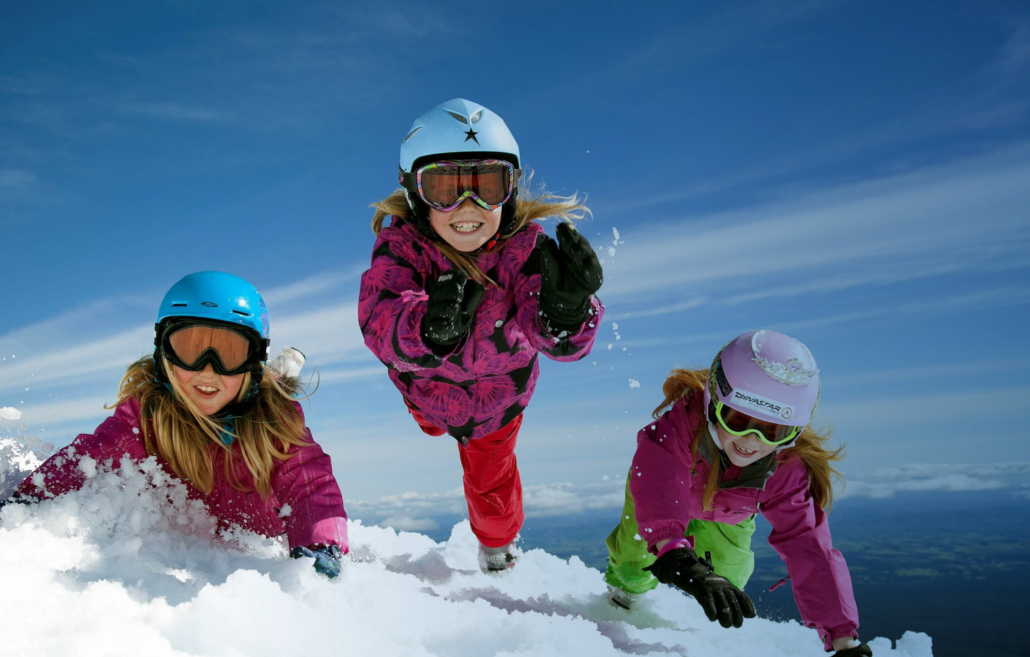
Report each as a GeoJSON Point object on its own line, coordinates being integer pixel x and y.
{"type": "Point", "coordinates": [488, 379]}
{"type": "Point", "coordinates": [305, 482]}
{"type": "Point", "coordinates": [668, 485]}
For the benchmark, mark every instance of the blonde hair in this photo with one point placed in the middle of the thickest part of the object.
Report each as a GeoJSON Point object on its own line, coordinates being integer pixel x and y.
{"type": "Point", "coordinates": [809, 447]}
{"type": "Point", "coordinates": [527, 208]}
{"type": "Point", "coordinates": [179, 433]}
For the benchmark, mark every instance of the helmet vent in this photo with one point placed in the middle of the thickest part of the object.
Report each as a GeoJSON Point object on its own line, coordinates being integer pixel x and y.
{"type": "Point", "coordinates": [240, 312]}
{"type": "Point", "coordinates": [478, 114]}
{"type": "Point", "coordinates": [411, 134]}
{"type": "Point", "coordinates": [178, 305]}
{"type": "Point", "coordinates": [458, 117]}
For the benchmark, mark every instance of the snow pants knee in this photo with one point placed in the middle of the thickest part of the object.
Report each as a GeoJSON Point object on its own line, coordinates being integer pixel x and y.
{"type": "Point", "coordinates": [729, 545]}
{"type": "Point", "coordinates": [493, 489]}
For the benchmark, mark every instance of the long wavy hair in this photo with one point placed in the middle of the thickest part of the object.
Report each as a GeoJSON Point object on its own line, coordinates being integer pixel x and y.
{"type": "Point", "coordinates": [527, 208]}
{"type": "Point", "coordinates": [180, 434]}
{"type": "Point", "coordinates": [810, 447]}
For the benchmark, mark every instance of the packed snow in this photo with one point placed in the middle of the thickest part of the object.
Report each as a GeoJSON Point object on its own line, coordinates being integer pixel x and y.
{"type": "Point", "coordinates": [130, 566]}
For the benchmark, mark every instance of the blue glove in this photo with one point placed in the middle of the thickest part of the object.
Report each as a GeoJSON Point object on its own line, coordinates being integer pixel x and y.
{"type": "Point", "coordinates": [327, 558]}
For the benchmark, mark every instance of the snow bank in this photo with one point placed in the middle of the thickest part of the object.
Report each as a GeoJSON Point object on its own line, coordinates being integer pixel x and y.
{"type": "Point", "coordinates": [130, 566]}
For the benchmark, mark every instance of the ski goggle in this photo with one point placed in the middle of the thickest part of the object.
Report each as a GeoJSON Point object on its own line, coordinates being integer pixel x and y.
{"type": "Point", "coordinates": [445, 185]}
{"type": "Point", "coordinates": [742, 424]}
{"type": "Point", "coordinates": [192, 344]}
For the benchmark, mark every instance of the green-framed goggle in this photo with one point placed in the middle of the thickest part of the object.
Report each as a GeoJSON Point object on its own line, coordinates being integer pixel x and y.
{"type": "Point", "coordinates": [742, 424]}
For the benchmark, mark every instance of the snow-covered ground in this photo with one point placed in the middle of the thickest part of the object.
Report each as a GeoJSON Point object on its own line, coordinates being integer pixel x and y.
{"type": "Point", "coordinates": [129, 566]}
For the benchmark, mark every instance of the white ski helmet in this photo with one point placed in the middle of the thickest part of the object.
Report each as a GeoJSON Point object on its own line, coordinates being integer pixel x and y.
{"type": "Point", "coordinates": [457, 127]}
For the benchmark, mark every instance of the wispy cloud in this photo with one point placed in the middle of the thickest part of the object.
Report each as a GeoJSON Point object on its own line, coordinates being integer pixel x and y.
{"type": "Point", "coordinates": [887, 482]}
{"type": "Point", "coordinates": [16, 180]}
{"type": "Point", "coordinates": [931, 372]}
{"type": "Point", "coordinates": [72, 410]}
{"type": "Point", "coordinates": [318, 284]}
{"type": "Point", "coordinates": [418, 510]}
{"type": "Point", "coordinates": [906, 411]}
{"type": "Point", "coordinates": [538, 501]}
{"type": "Point", "coordinates": [968, 215]}
{"type": "Point", "coordinates": [175, 112]}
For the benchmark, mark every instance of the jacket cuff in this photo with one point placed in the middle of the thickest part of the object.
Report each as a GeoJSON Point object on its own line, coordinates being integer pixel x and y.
{"type": "Point", "coordinates": [328, 531]}
{"type": "Point", "coordinates": [661, 530]}
{"type": "Point", "coordinates": [839, 632]}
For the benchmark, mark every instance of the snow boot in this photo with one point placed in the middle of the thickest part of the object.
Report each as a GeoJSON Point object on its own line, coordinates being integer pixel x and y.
{"type": "Point", "coordinates": [498, 559]}
{"type": "Point", "coordinates": [622, 598]}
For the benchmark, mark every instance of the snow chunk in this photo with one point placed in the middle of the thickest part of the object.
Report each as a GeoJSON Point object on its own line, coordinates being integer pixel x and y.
{"type": "Point", "coordinates": [633, 383]}
{"type": "Point", "coordinates": [9, 413]}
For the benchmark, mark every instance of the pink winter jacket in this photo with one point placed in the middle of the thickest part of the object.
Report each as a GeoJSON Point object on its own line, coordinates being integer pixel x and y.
{"type": "Point", "coordinates": [668, 484]}
{"type": "Point", "coordinates": [305, 482]}
{"type": "Point", "coordinates": [489, 378]}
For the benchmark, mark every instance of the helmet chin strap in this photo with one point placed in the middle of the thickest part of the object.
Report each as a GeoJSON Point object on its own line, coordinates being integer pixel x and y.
{"type": "Point", "coordinates": [715, 435]}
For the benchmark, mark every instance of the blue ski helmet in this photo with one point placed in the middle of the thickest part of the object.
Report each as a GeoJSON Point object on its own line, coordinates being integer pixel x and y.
{"type": "Point", "coordinates": [219, 298]}
{"type": "Point", "coordinates": [216, 296]}
{"type": "Point", "coordinates": [457, 129]}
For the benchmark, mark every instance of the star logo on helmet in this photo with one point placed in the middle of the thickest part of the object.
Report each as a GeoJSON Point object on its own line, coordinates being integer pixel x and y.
{"type": "Point", "coordinates": [471, 134]}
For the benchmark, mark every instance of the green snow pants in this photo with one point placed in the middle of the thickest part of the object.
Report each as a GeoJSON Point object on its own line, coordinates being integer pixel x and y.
{"type": "Point", "coordinates": [730, 546]}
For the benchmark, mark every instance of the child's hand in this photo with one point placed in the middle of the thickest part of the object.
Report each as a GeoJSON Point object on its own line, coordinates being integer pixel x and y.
{"type": "Point", "coordinates": [451, 308]}
{"type": "Point", "coordinates": [861, 650]}
{"type": "Point", "coordinates": [327, 558]}
{"type": "Point", "coordinates": [570, 273]}
{"type": "Point", "coordinates": [720, 599]}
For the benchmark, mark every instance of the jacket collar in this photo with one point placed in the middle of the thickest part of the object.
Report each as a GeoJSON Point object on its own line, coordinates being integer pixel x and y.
{"type": "Point", "coordinates": [754, 475]}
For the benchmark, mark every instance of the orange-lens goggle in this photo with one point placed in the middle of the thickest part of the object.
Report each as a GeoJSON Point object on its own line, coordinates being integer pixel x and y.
{"type": "Point", "coordinates": [193, 345]}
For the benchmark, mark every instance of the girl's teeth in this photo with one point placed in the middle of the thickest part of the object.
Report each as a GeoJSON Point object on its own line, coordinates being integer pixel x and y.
{"type": "Point", "coordinates": [746, 452]}
{"type": "Point", "coordinates": [206, 389]}
{"type": "Point", "coordinates": [465, 228]}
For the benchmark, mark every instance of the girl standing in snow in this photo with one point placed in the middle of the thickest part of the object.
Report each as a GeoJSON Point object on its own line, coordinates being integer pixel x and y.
{"type": "Point", "coordinates": [464, 290]}
{"type": "Point", "coordinates": [211, 412]}
{"type": "Point", "coordinates": [734, 443]}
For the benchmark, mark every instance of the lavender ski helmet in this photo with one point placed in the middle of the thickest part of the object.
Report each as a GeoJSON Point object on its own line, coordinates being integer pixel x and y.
{"type": "Point", "coordinates": [767, 375]}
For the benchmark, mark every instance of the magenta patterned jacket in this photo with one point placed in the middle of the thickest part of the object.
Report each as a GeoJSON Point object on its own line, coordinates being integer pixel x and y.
{"type": "Point", "coordinates": [488, 379]}
{"type": "Point", "coordinates": [305, 482]}
{"type": "Point", "coordinates": [668, 484]}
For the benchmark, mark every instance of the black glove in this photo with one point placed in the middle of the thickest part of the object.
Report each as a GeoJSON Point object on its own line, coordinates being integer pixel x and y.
{"type": "Point", "coordinates": [570, 273]}
{"type": "Point", "coordinates": [861, 650]}
{"type": "Point", "coordinates": [453, 299]}
{"type": "Point", "coordinates": [721, 600]}
{"type": "Point", "coordinates": [327, 558]}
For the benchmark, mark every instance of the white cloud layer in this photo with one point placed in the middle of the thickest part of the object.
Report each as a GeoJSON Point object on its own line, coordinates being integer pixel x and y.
{"type": "Point", "coordinates": [558, 499]}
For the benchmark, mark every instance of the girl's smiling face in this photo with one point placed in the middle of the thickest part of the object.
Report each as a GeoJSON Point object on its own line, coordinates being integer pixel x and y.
{"type": "Point", "coordinates": [208, 390]}
{"type": "Point", "coordinates": [743, 450]}
{"type": "Point", "coordinates": [466, 227]}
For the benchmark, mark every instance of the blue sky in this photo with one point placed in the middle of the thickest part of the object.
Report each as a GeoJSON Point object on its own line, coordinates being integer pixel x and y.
{"type": "Point", "coordinates": [856, 174]}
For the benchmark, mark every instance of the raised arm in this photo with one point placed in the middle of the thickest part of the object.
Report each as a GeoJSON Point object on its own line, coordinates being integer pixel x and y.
{"type": "Point", "coordinates": [559, 314]}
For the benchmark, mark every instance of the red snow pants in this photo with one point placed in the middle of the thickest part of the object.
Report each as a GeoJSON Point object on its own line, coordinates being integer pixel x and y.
{"type": "Point", "coordinates": [493, 489]}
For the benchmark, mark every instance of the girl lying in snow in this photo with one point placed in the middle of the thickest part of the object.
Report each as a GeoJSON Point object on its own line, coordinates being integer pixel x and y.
{"type": "Point", "coordinates": [211, 412]}
{"type": "Point", "coordinates": [734, 443]}
{"type": "Point", "coordinates": [465, 289]}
